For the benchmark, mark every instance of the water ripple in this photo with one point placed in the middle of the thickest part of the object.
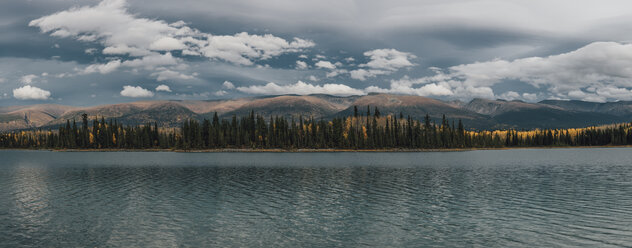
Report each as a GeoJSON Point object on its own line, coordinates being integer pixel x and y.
{"type": "Point", "coordinates": [482, 199]}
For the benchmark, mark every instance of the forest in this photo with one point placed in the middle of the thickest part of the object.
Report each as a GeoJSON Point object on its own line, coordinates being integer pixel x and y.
{"type": "Point", "coordinates": [367, 130]}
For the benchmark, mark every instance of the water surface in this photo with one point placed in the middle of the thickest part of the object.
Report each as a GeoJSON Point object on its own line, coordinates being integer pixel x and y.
{"type": "Point", "coordinates": [525, 197]}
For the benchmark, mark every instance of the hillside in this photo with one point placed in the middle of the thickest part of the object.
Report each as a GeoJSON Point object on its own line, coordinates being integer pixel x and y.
{"type": "Point", "coordinates": [518, 114]}
{"type": "Point", "coordinates": [620, 108]}
{"type": "Point", "coordinates": [289, 106]}
{"type": "Point", "coordinates": [417, 107]}
{"type": "Point", "coordinates": [476, 114]}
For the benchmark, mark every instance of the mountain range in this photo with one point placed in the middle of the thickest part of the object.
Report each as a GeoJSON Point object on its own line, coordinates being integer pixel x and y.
{"type": "Point", "coordinates": [476, 114]}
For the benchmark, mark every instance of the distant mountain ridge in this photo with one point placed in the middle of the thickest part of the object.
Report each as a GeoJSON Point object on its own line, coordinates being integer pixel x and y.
{"type": "Point", "coordinates": [477, 114]}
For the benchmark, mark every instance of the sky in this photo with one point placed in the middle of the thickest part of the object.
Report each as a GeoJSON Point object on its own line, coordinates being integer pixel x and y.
{"type": "Point", "coordinates": [85, 53]}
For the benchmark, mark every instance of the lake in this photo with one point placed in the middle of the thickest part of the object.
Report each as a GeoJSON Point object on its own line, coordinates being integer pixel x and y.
{"type": "Point", "coordinates": [487, 198]}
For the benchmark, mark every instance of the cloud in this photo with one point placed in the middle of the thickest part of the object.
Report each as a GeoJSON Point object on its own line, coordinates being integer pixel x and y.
{"type": "Point", "coordinates": [325, 64]}
{"type": "Point", "coordinates": [300, 88]}
{"type": "Point", "coordinates": [382, 62]}
{"type": "Point", "coordinates": [109, 23]}
{"type": "Point", "coordinates": [512, 95]}
{"type": "Point", "coordinates": [362, 74]}
{"type": "Point", "coordinates": [301, 65]}
{"type": "Point", "coordinates": [220, 93]}
{"type": "Point", "coordinates": [152, 61]}
{"type": "Point", "coordinates": [122, 33]}
{"type": "Point", "coordinates": [408, 86]}
{"type": "Point", "coordinates": [28, 79]}
{"type": "Point", "coordinates": [135, 91]}
{"type": "Point", "coordinates": [334, 71]}
{"type": "Point", "coordinates": [31, 93]}
{"type": "Point", "coordinates": [402, 86]}
{"type": "Point", "coordinates": [167, 44]}
{"type": "Point", "coordinates": [228, 85]}
{"type": "Point", "coordinates": [166, 74]}
{"type": "Point", "coordinates": [242, 48]}
{"type": "Point", "coordinates": [158, 62]}
{"type": "Point", "coordinates": [388, 59]}
{"type": "Point", "coordinates": [122, 49]}
{"type": "Point", "coordinates": [377, 17]}
{"type": "Point", "coordinates": [102, 68]}
{"type": "Point", "coordinates": [163, 87]}
{"type": "Point", "coordinates": [599, 71]}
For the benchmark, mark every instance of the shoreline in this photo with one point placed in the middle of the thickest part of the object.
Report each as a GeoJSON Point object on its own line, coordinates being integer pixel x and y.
{"type": "Point", "coordinates": [305, 150]}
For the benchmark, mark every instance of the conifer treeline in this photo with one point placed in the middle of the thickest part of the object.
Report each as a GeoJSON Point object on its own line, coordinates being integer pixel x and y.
{"type": "Point", "coordinates": [360, 131]}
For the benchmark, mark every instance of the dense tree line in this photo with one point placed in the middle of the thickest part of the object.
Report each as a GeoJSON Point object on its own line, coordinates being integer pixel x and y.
{"type": "Point", "coordinates": [360, 131]}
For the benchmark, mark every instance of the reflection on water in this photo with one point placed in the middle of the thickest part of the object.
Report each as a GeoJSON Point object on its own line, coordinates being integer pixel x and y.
{"type": "Point", "coordinates": [568, 197]}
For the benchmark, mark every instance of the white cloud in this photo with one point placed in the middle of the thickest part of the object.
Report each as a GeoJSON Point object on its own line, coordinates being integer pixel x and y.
{"type": "Point", "coordinates": [388, 59]}
{"type": "Point", "coordinates": [402, 86]}
{"type": "Point", "coordinates": [163, 87]}
{"type": "Point", "coordinates": [122, 33]}
{"type": "Point", "coordinates": [152, 61]}
{"type": "Point", "coordinates": [90, 51]}
{"type": "Point", "coordinates": [325, 64]}
{"type": "Point", "coordinates": [312, 78]}
{"type": "Point", "coordinates": [107, 22]}
{"type": "Point", "coordinates": [102, 68]}
{"type": "Point", "coordinates": [220, 93]}
{"type": "Point", "coordinates": [531, 97]}
{"type": "Point", "coordinates": [362, 74]}
{"type": "Point", "coordinates": [303, 56]}
{"type": "Point", "coordinates": [336, 72]}
{"type": "Point", "coordinates": [228, 85]}
{"type": "Point", "coordinates": [300, 88]}
{"type": "Point", "coordinates": [382, 62]}
{"type": "Point", "coordinates": [242, 48]}
{"type": "Point", "coordinates": [301, 65]}
{"type": "Point", "coordinates": [598, 72]}
{"type": "Point", "coordinates": [510, 95]}
{"type": "Point", "coordinates": [167, 44]}
{"type": "Point", "coordinates": [31, 93]}
{"type": "Point", "coordinates": [135, 91]}
{"type": "Point", "coordinates": [333, 67]}
{"type": "Point", "coordinates": [28, 79]}
{"type": "Point", "coordinates": [166, 74]}
{"type": "Point", "coordinates": [407, 86]}
{"type": "Point", "coordinates": [263, 66]}
{"type": "Point", "coordinates": [122, 49]}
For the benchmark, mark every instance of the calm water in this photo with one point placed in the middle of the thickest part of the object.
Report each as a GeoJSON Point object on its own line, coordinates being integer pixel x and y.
{"type": "Point", "coordinates": [535, 198]}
